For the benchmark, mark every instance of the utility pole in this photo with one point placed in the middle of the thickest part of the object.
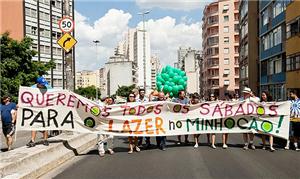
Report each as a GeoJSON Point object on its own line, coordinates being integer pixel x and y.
{"type": "Point", "coordinates": [68, 56]}
{"type": "Point", "coordinates": [96, 42]}
{"type": "Point", "coordinates": [144, 46]}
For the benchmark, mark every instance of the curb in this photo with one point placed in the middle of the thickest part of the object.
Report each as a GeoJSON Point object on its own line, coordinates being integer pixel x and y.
{"type": "Point", "coordinates": [33, 162]}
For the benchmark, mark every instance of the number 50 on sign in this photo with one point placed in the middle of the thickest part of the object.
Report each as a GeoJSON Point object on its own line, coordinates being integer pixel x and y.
{"type": "Point", "coordinates": [66, 24]}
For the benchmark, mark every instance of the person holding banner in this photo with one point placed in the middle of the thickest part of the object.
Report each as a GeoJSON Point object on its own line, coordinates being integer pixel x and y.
{"type": "Point", "coordinates": [195, 100]}
{"type": "Point", "coordinates": [106, 141]}
{"type": "Point", "coordinates": [213, 135]}
{"type": "Point", "coordinates": [42, 84]}
{"type": "Point", "coordinates": [8, 117]}
{"type": "Point", "coordinates": [249, 97]}
{"type": "Point", "coordinates": [142, 98]}
{"type": "Point", "coordinates": [295, 120]}
{"type": "Point", "coordinates": [133, 143]}
{"type": "Point", "coordinates": [161, 140]}
{"type": "Point", "coordinates": [266, 97]}
{"type": "Point", "coordinates": [182, 100]}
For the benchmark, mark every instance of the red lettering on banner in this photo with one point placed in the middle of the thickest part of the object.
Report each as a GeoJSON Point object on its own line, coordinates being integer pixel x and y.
{"type": "Point", "coordinates": [141, 108]}
{"type": "Point", "coordinates": [248, 108]}
{"type": "Point", "coordinates": [206, 107]}
{"type": "Point", "coordinates": [70, 101]}
{"type": "Point", "coordinates": [106, 111]}
{"type": "Point", "coordinates": [49, 99]}
{"type": "Point", "coordinates": [217, 109]}
{"type": "Point", "coordinates": [240, 110]}
{"type": "Point", "coordinates": [157, 109]}
{"type": "Point", "coordinates": [187, 109]}
{"type": "Point", "coordinates": [125, 108]}
{"type": "Point", "coordinates": [28, 100]}
{"type": "Point", "coordinates": [59, 99]}
{"type": "Point", "coordinates": [37, 99]}
{"type": "Point", "coordinates": [228, 108]}
{"type": "Point", "coordinates": [110, 124]}
{"type": "Point", "coordinates": [274, 109]}
{"type": "Point", "coordinates": [80, 103]}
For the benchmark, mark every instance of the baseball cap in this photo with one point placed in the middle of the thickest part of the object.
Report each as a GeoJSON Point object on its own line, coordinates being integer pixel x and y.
{"type": "Point", "coordinates": [41, 80]}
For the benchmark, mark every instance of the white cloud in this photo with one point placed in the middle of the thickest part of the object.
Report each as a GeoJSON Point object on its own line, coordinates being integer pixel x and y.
{"type": "Point", "coordinates": [182, 5]}
{"type": "Point", "coordinates": [108, 30]}
{"type": "Point", "coordinates": [166, 37]}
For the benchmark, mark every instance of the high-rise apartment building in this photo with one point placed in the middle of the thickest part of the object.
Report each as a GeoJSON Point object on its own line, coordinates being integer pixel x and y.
{"type": "Point", "coordinates": [86, 78]}
{"type": "Point", "coordinates": [155, 68]}
{"type": "Point", "coordinates": [292, 45]}
{"type": "Point", "coordinates": [188, 61]}
{"type": "Point", "coordinates": [249, 42]}
{"type": "Point", "coordinates": [220, 45]}
{"type": "Point", "coordinates": [272, 27]}
{"type": "Point", "coordinates": [38, 19]}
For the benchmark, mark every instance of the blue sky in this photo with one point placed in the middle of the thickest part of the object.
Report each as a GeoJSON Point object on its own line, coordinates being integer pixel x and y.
{"type": "Point", "coordinates": [171, 24]}
{"type": "Point", "coordinates": [96, 9]}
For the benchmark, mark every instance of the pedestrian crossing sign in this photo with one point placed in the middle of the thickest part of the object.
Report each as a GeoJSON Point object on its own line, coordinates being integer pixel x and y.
{"type": "Point", "coordinates": [67, 42]}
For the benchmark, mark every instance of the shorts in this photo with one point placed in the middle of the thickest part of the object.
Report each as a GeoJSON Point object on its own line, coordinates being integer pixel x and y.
{"type": "Point", "coordinates": [294, 129]}
{"type": "Point", "coordinates": [8, 129]}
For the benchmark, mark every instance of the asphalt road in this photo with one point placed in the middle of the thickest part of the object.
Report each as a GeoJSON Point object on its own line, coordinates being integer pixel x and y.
{"type": "Point", "coordinates": [186, 162]}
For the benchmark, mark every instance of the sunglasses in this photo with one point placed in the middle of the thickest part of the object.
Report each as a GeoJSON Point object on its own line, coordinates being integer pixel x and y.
{"type": "Point", "coordinates": [131, 96]}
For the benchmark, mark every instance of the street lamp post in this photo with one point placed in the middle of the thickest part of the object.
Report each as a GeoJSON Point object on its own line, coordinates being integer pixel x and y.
{"type": "Point", "coordinates": [96, 43]}
{"type": "Point", "coordinates": [144, 45]}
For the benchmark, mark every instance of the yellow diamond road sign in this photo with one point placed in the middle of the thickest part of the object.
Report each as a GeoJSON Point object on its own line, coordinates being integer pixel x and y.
{"type": "Point", "coordinates": [67, 42]}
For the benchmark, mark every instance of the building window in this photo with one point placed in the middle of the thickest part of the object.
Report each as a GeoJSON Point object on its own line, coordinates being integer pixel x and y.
{"type": "Point", "coordinates": [271, 67]}
{"type": "Point", "coordinates": [28, 29]}
{"type": "Point", "coordinates": [226, 61]}
{"type": "Point", "coordinates": [34, 47]}
{"type": "Point", "coordinates": [225, 8]}
{"type": "Point", "coordinates": [278, 66]}
{"type": "Point", "coordinates": [244, 9]}
{"type": "Point", "coordinates": [265, 17]}
{"type": "Point", "coordinates": [30, 12]}
{"type": "Point", "coordinates": [293, 28]}
{"type": "Point", "coordinates": [226, 71]}
{"type": "Point", "coordinates": [226, 50]}
{"type": "Point", "coordinates": [272, 39]}
{"type": "Point", "coordinates": [226, 18]}
{"type": "Point", "coordinates": [226, 39]}
{"type": "Point", "coordinates": [226, 29]}
{"type": "Point", "coordinates": [44, 16]}
{"type": "Point", "coordinates": [278, 8]}
{"type": "Point", "coordinates": [293, 63]}
{"type": "Point", "coordinates": [34, 30]}
{"type": "Point", "coordinates": [226, 82]}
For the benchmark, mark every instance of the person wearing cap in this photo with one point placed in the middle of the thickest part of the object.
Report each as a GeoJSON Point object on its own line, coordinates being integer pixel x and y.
{"type": "Point", "coordinates": [248, 96]}
{"type": "Point", "coordinates": [8, 118]}
{"type": "Point", "coordinates": [41, 83]}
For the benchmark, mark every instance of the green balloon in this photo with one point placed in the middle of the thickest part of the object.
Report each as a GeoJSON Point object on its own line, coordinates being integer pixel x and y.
{"type": "Point", "coordinates": [185, 78]}
{"type": "Point", "coordinates": [165, 76]}
{"type": "Point", "coordinates": [170, 88]}
{"type": "Point", "coordinates": [176, 79]}
{"type": "Point", "coordinates": [172, 84]}
{"type": "Point", "coordinates": [180, 87]}
{"type": "Point", "coordinates": [167, 83]}
{"type": "Point", "coordinates": [184, 84]}
{"type": "Point", "coordinates": [171, 94]}
{"type": "Point", "coordinates": [171, 74]}
{"type": "Point", "coordinates": [182, 73]}
{"type": "Point", "coordinates": [158, 83]}
{"type": "Point", "coordinates": [181, 81]}
{"type": "Point", "coordinates": [166, 87]}
{"type": "Point", "coordinates": [175, 89]}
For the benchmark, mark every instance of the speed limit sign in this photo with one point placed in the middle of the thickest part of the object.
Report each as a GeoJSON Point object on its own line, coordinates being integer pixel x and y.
{"type": "Point", "coordinates": [66, 24]}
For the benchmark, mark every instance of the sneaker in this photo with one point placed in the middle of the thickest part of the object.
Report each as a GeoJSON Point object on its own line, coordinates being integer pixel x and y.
{"type": "Point", "coordinates": [225, 146]}
{"type": "Point", "coordinates": [245, 147]}
{"type": "Point", "coordinates": [111, 152]}
{"type": "Point", "coordinates": [137, 149]}
{"type": "Point", "coordinates": [272, 149]}
{"type": "Point", "coordinates": [252, 146]}
{"type": "Point", "coordinates": [213, 146]}
{"type": "Point", "coordinates": [196, 146]}
{"type": "Point", "coordinates": [287, 148]}
{"type": "Point", "coordinates": [101, 154]}
{"type": "Point", "coordinates": [30, 144]}
{"type": "Point", "coordinates": [178, 143]}
{"type": "Point", "coordinates": [297, 149]}
{"type": "Point", "coordinates": [264, 147]}
{"type": "Point", "coordinates": [46, 143]}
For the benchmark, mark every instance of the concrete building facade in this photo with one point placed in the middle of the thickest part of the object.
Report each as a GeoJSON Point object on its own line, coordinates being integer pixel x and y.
{"type": "Point", "coordinates": [38, 20]}
{"type": "Point", "coordinates": [220, 34]}
{"type": "Point", "coordinates": [86, 78]}
{"type": "Point", "coordinates": [292, 45]}
{"type": "Point", "coordinates": [155, 69]}
{"type": "Point", "coordinates": [249, 43]}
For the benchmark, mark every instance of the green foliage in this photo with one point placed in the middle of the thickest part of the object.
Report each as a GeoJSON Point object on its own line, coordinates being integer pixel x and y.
{"type": "Point", "coordinates": [88, 92]}
{"type": "Point", "coordinates": [124, 91]}
{"type": "Point", "coordinates": [17, 67]}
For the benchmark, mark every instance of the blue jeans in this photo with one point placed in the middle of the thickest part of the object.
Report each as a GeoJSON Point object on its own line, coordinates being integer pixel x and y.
{"type": "Point", "coordinates": [161, 141]}
{"type": "Point", "coordinates": [141, 140]}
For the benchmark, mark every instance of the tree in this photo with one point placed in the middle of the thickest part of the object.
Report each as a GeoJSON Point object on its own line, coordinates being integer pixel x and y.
{"type": "Point", "coordinates": [124, 91]}
{"type": "Point", "coordinates": [88, 92]}
{"type": "Point", "coordinates": [17, 67]}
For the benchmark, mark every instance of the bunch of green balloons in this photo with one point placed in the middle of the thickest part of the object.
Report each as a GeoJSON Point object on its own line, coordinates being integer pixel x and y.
{"type": "Point", "coordinates": [171, 80]}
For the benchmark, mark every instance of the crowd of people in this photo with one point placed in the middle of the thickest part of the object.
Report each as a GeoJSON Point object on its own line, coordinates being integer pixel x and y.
{"type": "Point", "coordinates": [9, 117]}
{"type": "Point", "coordinates": [135, 143]}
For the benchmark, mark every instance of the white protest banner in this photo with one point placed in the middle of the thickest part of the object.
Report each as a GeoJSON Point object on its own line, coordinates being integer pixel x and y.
{"type": "Point", "coordinates": [65, 110]}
